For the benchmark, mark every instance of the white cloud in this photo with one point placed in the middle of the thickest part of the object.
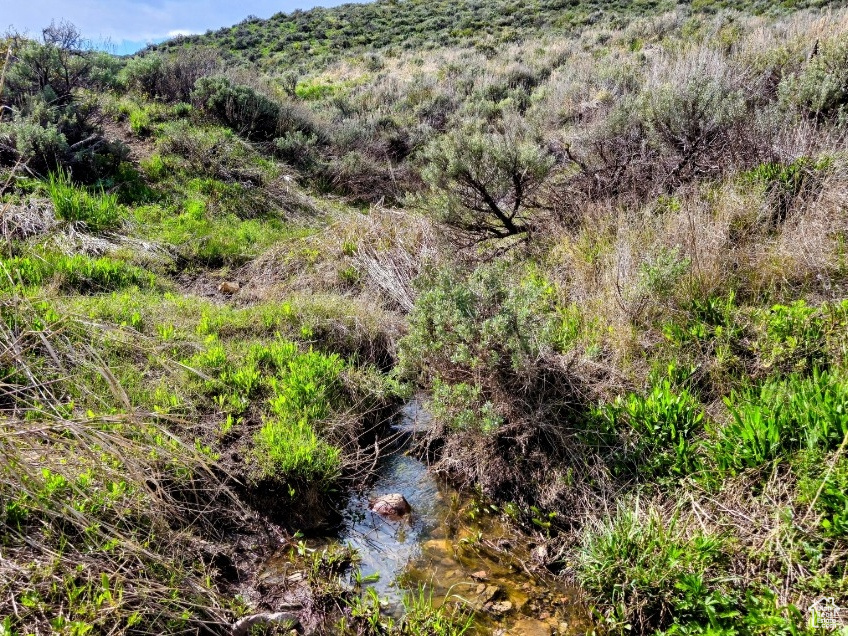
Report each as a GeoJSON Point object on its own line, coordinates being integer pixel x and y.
{"type": "Point", "coordinates": [178, 32]}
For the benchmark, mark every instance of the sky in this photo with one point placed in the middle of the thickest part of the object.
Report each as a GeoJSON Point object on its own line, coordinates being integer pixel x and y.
{"type": "Point", "coordinates": [125, 26]}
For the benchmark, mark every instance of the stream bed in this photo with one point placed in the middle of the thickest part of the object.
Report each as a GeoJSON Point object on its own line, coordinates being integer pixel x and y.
{"type": "Point", "coordinates": [452, 550]}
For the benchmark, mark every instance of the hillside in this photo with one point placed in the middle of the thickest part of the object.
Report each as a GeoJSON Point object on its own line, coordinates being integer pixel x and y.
{"type": "Point", "coordinates": [584, 261]}
{"type": "Point", "coordinates": [311, 39]}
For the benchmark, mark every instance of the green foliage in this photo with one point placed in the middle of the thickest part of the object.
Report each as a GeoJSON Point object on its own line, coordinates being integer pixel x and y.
{"type": "Point", "coordinates": [462, 408]}
{"type": "Point", "coordinates": [37, 139]}
{"type": "Point", "coordinates": [785, 182]}
{"type": "Point", "coordinates": [422, 618]}
{"type": "Point", "coordinates": [99, 211]}
{"type": "Point", "coordinates": [78, 273]}
{"type": "Point", "coordinates": [658, 431]}
{"type": "Point", "coordinates": [799, 337]}
{"type": "Point", "coordinates": [317, 37]}
{"type": "Point", "coordinates": [297, 148]}
{"type": "Point", "coordinates": [53, 68]}
{"type": "Point", "coordinates": [301, 390]}
{"type": "Point", "coordinates": [781, 417]}
{"type": "Point", "coordinates": [44, 123]}
{"type": "Point", "coordinates": [201, 239]}
{"type": "Point", "coordinates": [302, 395]}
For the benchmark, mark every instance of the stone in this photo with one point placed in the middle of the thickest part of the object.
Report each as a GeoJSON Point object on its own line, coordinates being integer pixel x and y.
{"type": "Point", "coordinates": [482, 575]}
{"type": "Point", "coordinates": [530, 627]}
{"type": "Point", "coordinates": [500, 608]}
{"type": "Point", "coordinates": [229, 287]}
{"type": "Point", "coordinates": [393, 506]}
{"type": "Point", "coordinates": [489, 593]}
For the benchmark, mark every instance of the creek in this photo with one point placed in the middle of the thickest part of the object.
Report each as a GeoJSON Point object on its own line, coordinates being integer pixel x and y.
{"type": "Point", "coordinates": [452, 549]}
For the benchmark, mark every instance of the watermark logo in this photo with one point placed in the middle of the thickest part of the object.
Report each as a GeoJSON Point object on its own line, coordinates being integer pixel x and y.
{"type": "Point", "coordinates": [826, 614]}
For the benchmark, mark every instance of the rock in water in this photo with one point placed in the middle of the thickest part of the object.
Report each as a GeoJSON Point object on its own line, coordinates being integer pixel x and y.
{"type": "Point", "coordinates": [500, 608]}
{"type": "Point", "coordinates": [392, 506]}
{"type": "Point", "coordinates": [530, 627]}
{"type": "Point", "coordinates": [228, 287]}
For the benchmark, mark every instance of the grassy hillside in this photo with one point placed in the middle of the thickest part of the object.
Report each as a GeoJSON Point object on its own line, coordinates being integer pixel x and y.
{"type": "Point", "coordinates": [311, 39]}
{"type": "Point", "coordinates": [608, 243]}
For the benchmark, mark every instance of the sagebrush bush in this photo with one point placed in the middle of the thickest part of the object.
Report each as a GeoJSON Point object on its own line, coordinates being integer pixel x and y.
{"type": "Point", "coordinates": [170, 77]}
{"type": "Point", "coordinates": [484, 180]}
{"type": "Point", "coordinates": [42, 143]}
{"type": "Point", "coordinates": [240, 107]}
{"type": "Point", "coordinates": [820, 88]}
{"type": "Point", "coordinates": [496, 321]}
{"type": "Point", "coordinates": [697, 126]}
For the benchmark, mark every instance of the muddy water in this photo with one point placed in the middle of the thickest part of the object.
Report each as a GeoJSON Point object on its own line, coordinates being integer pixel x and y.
{"type": "Point", "coordinates": [453, 550]}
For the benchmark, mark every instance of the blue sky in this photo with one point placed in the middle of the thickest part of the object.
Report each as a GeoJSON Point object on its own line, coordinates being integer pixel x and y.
{"type": "Point", "coordinates": [130, 24]}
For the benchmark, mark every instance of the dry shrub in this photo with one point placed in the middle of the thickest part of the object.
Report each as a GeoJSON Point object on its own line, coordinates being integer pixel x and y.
{"type": "Point", "coordinates": [20, 221]}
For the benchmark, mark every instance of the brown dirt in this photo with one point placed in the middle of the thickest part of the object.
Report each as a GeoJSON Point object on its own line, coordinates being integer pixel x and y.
{"type": "Point", "coordinates": [140, 148]}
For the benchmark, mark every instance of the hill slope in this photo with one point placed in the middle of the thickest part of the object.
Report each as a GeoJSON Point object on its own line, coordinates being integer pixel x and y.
{"type": "Point", "coordinates": [315, 37]}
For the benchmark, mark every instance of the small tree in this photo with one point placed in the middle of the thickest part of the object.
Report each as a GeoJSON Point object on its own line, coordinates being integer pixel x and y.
{"type": "Point", "coordinates": [484, 179]}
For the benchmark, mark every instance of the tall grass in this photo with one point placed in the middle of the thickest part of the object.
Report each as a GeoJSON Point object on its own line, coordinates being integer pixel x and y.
{"type": "Point", "coordinates": [99, 211]}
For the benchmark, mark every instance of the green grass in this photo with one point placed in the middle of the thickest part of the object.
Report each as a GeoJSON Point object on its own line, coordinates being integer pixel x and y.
{"type": "Point", "coordinates": [99, 212]}
{"type": "Point", "coordinates": [78, 273]}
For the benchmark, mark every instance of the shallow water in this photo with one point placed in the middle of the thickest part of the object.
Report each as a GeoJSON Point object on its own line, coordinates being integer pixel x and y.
{"type": "Point", "coordinates": [475, 561]}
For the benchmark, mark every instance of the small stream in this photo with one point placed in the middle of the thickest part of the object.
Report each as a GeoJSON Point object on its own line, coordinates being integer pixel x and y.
{"type": "Point", "coordinates": [477, 561]}
{"type": "Point", "coordinates": [449, 548]}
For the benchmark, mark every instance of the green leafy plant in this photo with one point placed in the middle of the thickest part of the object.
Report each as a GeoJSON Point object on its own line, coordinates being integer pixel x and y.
{"type": "Point", "coordinates": [781, 417]}
{"type": "Point", "coordinates": [658, 431]}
